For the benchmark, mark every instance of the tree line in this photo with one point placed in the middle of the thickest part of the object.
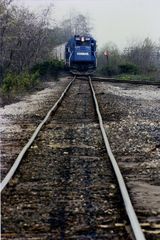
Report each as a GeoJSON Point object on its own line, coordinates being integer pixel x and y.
{"type": "Point", "coordinates": [138, 58]}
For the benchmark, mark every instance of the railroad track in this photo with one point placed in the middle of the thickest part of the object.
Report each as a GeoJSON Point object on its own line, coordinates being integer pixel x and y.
{"type": "Point", "coordinates": [62, 184]}
{"type": "Point", "coordinates": [114, 80]}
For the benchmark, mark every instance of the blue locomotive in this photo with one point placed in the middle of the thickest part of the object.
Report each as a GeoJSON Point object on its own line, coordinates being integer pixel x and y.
{"type": "Point", "coordinates": [80, 55]}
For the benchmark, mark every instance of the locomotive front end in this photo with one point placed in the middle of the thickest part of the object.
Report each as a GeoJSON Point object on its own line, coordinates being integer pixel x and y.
{"type": "Point", "coordinates": [82, 55]}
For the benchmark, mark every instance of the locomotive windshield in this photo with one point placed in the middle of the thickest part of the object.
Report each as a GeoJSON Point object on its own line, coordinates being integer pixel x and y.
{"type": "Point", "coordinates": [82, 43]}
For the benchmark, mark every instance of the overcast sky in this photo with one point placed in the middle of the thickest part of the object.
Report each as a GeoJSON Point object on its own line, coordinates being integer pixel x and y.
{"type": "Point", "coordinates": [119, 21]}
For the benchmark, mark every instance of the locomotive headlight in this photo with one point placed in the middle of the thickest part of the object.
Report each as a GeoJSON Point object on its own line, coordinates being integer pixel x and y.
{"type": "Point", "coordinates": [82, 39]}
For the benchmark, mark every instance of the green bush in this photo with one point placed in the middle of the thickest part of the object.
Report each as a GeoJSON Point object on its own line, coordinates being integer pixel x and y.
{"type": "Point", "coordinates": [133, 77]}
{"type": "Point", "coordinates": [14, 83]}
{"type": "Point", "coordinates": [52, 67]}
{"type": "Point", "coordinates": [129, 68]}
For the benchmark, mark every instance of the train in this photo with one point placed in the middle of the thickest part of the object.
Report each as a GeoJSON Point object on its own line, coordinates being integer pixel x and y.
{"type": "Point", "coordinates": [80, 55]}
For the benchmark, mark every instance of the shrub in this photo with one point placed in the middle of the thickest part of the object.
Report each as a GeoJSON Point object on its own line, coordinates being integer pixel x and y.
{"type": "Point", "coordinates": [139, 77]}
{"type": "Point", "coordinates": [129, 68]}
{"type": "Point", "coordinates": [14, 83]}
{"type": "Point", "coordinates": [52, 67]}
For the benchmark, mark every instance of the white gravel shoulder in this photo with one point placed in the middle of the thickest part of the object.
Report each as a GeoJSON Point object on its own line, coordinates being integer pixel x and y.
{"type": "Point", "coordinates": [139, 92]}
{"type": "Point", "coordinates": [29, 103]}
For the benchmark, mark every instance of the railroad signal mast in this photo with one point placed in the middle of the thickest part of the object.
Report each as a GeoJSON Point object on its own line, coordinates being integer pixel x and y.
{"type": "Point", "coordinates": [106, 54]}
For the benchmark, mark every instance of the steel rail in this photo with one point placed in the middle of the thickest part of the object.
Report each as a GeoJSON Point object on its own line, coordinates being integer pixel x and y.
{"type": "Point", "coordinates": [114, 80]}
{"type": "Point", "coordinates": [31, 140]}
{"type": "Point", "coordinates": [125, 195]}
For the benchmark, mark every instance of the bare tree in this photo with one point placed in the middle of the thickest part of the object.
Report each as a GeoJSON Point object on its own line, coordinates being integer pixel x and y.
{"type": "Point", "coordinates": [143, 54]}
{"type": "Point", "coordinates": [76, 24]}
{"type": "Point", "coordinates": [81, 25]}
{"type": "Point", "coordinates": [23, 38]}
{"type": "Point", "coordinates": [5, 23]}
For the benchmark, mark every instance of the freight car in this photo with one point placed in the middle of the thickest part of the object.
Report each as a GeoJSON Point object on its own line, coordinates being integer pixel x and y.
{"type": "Point", "coordinates": [80, 55]}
